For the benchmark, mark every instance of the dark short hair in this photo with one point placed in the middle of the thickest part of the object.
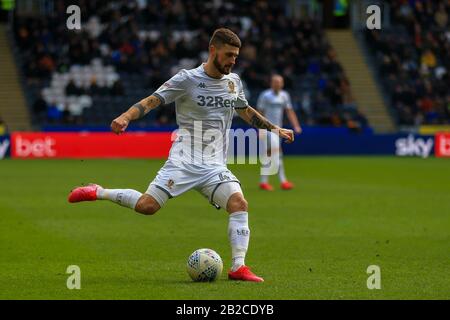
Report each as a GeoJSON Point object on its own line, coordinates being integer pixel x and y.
{"type": "Point", "coordinates": [224, 36]}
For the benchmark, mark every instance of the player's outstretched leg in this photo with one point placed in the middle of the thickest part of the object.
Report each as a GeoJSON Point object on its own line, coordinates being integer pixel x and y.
{"type": "Point", "coordinates": [239, 235]}
{"type": "Point", "coordinates": [264, 178]}
{"type": "Point", "coordinates": [129, 198]}
{"type": "Point", "coordinates": [264, 183]}
{"type": "Point", "coordinates": [285, 184]}
{"type": "Point", "coordinates": [85, 193]}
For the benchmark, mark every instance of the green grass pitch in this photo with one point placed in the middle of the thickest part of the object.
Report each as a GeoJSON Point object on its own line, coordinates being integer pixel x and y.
{"type": "Point", "coordinates": [314, 242]}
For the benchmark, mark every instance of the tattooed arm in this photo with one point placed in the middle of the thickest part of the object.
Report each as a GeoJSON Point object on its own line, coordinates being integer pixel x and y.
{"type": "Point", "coordinates": [135, 112]}
{"type": "Point", "coordinates": [254, 118]}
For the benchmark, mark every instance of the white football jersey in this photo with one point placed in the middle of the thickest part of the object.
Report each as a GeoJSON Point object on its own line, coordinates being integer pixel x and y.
{"type": "Point", "coordinates": [273, 105]}
{"type": "Point", "coordinates": [204, 110]}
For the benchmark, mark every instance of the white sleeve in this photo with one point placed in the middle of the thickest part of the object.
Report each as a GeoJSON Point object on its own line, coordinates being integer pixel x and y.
{"type": "Point", "coordinates": [288, 102]}
{"type": "Point", "coordinates": [173, 88]}
{"type": "Point", "coordinates": [241, 102]}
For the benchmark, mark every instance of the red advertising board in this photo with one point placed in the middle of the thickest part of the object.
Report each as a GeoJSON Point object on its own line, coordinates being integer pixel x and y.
{"type": "Point", "coordinates": [90, 145]}
{"type": "Point", "coordinates": [442, 145]}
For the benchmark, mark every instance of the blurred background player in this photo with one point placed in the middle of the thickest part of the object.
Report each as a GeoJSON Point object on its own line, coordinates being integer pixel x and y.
{"type": "Point", "coordinates": [272, 103]}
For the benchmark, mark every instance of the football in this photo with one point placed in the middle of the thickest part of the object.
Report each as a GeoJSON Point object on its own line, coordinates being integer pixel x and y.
{"type": "Point", "coordinates": [204, 265]}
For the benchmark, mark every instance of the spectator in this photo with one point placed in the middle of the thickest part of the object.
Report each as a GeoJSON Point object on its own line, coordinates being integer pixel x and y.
{"type": "Point", "coordinates": [94, 88]}
{"type": "Point", "coordinates": [66, 116]}
{"type": "Point", "coordinates": [54, 115]}
{"type": "Point", "coordinates": [3, 127]}
{"type": "Point", "coordinates": [72, 89]}
{"type": "Point", "coordinates": [362, 120]}
{"type": "Point", "coordinates": [428, 59]}
{"type": "Point", "coordinates": [39, 105]}
{"type": "Point", "coordinates": [441, 17]}
{"type": "Point", "coordinates": [117, 88]}
{"type": "Point", "coordinates": [46, 65]}
{"type": "Point", "coordinates": [165, 116]}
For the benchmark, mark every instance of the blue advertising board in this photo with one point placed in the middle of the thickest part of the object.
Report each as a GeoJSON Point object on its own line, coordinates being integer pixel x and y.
{"type": "Point", "coordinates": [354, 144]}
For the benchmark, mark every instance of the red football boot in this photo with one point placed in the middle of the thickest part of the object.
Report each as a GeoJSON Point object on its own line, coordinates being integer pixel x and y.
{"type": "Point", "coordinates": [287, 185]}
{"type": "Point", "coordinates": [265, 186]}
{"type": "Point", "coordinates": [87, 193]}
{"type": "Point", "coordinates": [244, 274]}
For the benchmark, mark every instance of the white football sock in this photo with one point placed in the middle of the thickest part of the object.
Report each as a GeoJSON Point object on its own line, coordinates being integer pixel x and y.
{"type": "Point", "coordinates": [239, 235]}
{"type": "Point", "coordinates": [125, 197]}
{"type": "Point", "coordinates": [281, 173]}
{"type": "Point", "coordinates": [264, 178]}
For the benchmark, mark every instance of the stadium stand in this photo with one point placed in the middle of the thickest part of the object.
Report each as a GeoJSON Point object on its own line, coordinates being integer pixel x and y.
{"type": "Point", "coordinates": [413, 59]}
{"type": "Point", "coordinates": [125, 50]}
{"type": "Point", "coordinates": [13, 106]}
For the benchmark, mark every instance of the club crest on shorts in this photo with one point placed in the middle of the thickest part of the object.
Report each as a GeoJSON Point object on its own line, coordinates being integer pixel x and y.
{"type": "Point", "coordinates": [223, 177]}
{"type": "Point", "coordinates": [231, 87]}
{"type": "Point", "coordinates": [170, 183]}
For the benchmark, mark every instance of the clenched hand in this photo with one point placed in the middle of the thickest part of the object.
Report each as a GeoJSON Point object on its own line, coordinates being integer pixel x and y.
{"type": "Point", "coordinates": [286, 134]}
{"type": "Point", "coordinates": [120, 124]}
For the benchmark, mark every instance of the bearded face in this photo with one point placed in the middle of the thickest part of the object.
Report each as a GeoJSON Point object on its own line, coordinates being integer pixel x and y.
{"type": "Point", "coordinates": [222, 67]}
{"type": "Point", "coordinates": [225, 58]}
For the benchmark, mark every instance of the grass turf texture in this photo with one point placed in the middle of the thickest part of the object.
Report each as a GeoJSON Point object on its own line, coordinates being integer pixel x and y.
{"type": "Point", "coordinates": [314, 242]}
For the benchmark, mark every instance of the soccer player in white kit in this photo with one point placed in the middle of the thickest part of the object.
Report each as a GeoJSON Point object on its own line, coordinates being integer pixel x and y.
{"type": "Point", "coordinates": [272, 103]}
{"type": "Point", "coordinates": [206, 98]}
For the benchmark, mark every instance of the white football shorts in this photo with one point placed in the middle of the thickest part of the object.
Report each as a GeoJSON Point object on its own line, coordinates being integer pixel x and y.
{"type": "Point", "coordinates": [217, 184]}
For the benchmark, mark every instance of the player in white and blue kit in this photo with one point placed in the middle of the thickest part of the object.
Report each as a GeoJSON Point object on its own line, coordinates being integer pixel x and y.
{"type": "Point", "coordinates": [206, 99]}
{"type": "Point", "coordinates": [272, 103]}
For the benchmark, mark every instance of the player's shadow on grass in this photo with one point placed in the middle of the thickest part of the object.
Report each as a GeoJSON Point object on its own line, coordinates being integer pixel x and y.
{"type": "Point", "coordinates": [157, 281]}
{"type": "Point", "coordinates": [189, 282]}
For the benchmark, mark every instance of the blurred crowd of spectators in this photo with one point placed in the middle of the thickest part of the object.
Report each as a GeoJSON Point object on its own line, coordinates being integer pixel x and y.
{"type": "Point", "coordinates": [414, 61]}
{"type": "Point", "coordinates": [154, 39]}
